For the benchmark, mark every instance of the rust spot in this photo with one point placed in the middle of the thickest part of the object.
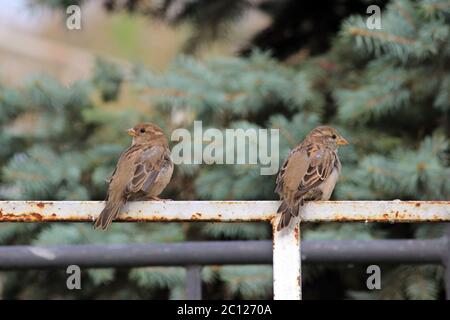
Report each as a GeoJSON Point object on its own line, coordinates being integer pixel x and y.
{"type": "Point", "coordinates": [26, 217]}
{"type": "Point", "coordinates": [385, 216]}
{"type": "Point", "coordinates": [125, 218]}
{"type": "Point", "coordinates": [228, 202]}
{"type": "Point", "coordinates": [296, 233]}
{"type": "Point", "coordinates": [417, 204]}
{"type": "Point", "coordinates": [41, 205]}
{"type": "Point", "coordinates": [196, 216]}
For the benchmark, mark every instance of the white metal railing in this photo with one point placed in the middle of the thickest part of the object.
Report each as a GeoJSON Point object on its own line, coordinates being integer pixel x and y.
{"type": "Point", "coordinates": [286, 243]}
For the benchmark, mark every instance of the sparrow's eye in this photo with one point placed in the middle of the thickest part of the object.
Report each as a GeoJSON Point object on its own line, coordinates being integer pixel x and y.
{"type": "Point", "coordinates": [142, 130]}
{"type": "Point", "coordinates": [334, 136]}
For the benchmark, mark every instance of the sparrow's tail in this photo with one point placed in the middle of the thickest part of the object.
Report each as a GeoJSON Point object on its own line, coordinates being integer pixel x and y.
{"type": "Point", "coordinates": [287, 212]}
{"type": "Point", "coordinates": [110, 212]}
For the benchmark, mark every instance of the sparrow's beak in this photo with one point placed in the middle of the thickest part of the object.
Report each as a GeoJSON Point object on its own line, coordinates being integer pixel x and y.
{"type": "Point", "coordinates": [132, 132]}
{"type": "Point", "coordinates": [341, 141]}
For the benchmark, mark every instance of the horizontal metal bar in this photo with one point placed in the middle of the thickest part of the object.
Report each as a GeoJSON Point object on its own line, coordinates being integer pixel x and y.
{"type": "Point", "coordinates": [129, 255]}
{"type": "Point", "coordinates": [370, 211]}
{"type": "Point", "coordinates": [386, 251]}
{"type": "Point", "coordinates": [75, 211]}
{"type": "Point", "coordinates": [219, 253]}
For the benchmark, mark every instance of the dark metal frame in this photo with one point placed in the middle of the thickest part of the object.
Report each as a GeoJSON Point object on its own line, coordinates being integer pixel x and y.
{"type": "Point", "coordinates": [194, 255]}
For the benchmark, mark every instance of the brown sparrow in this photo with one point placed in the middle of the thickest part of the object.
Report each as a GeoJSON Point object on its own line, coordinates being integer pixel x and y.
{"type": "Point", "coordinates": [310, 172]}
{"type": "Point", "coordinates": [142, 172]}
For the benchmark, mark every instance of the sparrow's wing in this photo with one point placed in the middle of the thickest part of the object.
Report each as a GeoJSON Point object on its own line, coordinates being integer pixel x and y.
{"type": "Point", "coordinates": [118, 187]}
{"type": "Point", "coordinates": [289, 179]}
{"type": "Point", "coordinates": [164, 173]}
{"type": "Point", "coordinates": [292, 172]}
{"type": "Point", "coordinates": [119, 179]}
{"type": "Point", "coordinates": [321, 164]}
{"type": "Point", "coordinates": [147, 167]}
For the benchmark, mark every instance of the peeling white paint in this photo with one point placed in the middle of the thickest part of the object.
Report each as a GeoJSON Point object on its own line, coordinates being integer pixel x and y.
{"type": "Point", "coordinates": [319, 211]}
{"type": "Point", "coordinates": [287, 262]}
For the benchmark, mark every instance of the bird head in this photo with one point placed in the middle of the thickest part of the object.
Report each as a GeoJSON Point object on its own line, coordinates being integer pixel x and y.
{"type": "Point", "coordinates": [328, 136]}
{"type": "Point", "coordinates": [147, 133]}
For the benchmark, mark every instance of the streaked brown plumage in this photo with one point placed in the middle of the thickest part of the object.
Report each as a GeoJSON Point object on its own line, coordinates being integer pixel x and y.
{"type": "Point", "coordinates": [142, 172]}
{"type": "Point", "coordinates": [310, 172]}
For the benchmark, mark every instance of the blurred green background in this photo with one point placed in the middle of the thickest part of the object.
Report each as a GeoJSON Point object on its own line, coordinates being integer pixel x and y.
{"type": "Point", "coordinates": [66, 97]}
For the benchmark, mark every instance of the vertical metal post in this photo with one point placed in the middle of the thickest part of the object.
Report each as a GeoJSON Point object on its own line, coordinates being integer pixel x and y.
{"type": "Point", "coordinates": [194, 282]}
{"type": "Point", "coordinates": [287, 282]}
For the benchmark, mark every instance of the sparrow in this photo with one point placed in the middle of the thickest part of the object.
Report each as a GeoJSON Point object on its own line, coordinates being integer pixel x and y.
{"type": "Point", "coordinates": [309, 172]}
{"type": "Point", "coordinates": [142, 172]}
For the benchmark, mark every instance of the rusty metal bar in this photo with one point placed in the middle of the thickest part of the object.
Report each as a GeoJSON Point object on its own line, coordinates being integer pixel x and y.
{"type": "Point", "coordinates": [194, 282]}
{"type": "Point", "coordinates": [232, 211]}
